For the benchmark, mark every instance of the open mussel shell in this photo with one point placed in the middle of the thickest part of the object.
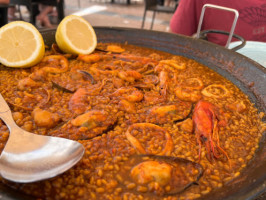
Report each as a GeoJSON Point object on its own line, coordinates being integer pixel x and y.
{"type": "Point", "coordinates": [174, 173]}
{"type": "Point", "coordinates": [62, 88]}
{"type": "Point", "coordinates": [87, 76]}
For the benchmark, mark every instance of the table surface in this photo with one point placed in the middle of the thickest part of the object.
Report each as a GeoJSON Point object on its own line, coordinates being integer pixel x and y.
{"type": "Point", "coordinates": [254, 50]}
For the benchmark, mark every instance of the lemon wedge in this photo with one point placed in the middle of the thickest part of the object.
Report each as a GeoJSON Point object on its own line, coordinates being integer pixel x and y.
{"type": "Point", "coordinates": [21, 45]}
{"type": "Point", "coordinates": [75, 35]}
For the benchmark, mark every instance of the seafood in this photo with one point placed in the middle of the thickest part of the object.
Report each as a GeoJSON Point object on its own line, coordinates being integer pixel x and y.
{"type": "Point", "coordinates": [38, 75]}
{"type": "Point", "coordinates": [55, 49]}
{"type": "Point", "coordinates": [173, 63]}
{"type": "Point", "coordinates": [189, 90]}
{"type": "Point", "coordinates": [96, 121]}
{"type": "Point", "coordinates": [215, 91]}
{"type": "Point", "coordinates": [129, 75]}
{"type": "Point", "coordinates": [44, 118]}
{"type": "Point", "coordinates": [164, 174]}
{"type": "Point", "coordinates": [134, 114]}
{"type": "Point", "coordinates": [153, 97]}
{"type": "Point", "coordinates": [187, 125]}
{"type": "Point", "coordinates": [148, 82]}
{"type": "Point", "coordinates": [139, 147]}
{"type": "Point", "coordinates": [239, 107]}
{"type": "Point", "coordinates": [131, 94]}
{"type": "Point", "coordinates": [148, 171]}
{"type": "Point", "coordinates": [127, 106]}
{"type": "Point", "coordinates": [205, 119]}
{"type": "Point", "coordinates": [78, 101]}
{"type": "Point", "coordinates": [87, 75]}
{"type": "Point", "coordinates": [92, 58]}
{"type": "Point", "coordinates": [192, 83]}
{"type": "Point", "coordinates": [187, 94]}
{"type": "Point", "coordinates": [53, 61]}
{"type": "Point", "coordinates": [134, 58]}
{"type": "Point", "coordinates": [164, 79]}
{"type": "Point", "coordinates": [90, 119]}
{"type": "Point", "coordinates": [27, 83]}
{"type": "Point", "coordinates": [172, 112]}
{"type": "Point", "coordinates": [115, 49]}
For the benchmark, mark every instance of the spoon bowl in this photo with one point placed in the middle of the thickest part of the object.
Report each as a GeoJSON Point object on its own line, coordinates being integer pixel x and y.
{"type": "Point", "coordinates": [28, 157]}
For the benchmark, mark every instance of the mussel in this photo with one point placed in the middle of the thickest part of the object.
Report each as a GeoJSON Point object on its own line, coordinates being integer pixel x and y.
{"type": "Point", "coordinates": [87, 76]}
{"type": "Point", "coordinates": [163, 175]}
{"type": "Point", "coordinates": [62, 88]}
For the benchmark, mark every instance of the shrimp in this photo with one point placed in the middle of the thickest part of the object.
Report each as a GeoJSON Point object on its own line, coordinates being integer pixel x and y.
{"type": "Point", "coordinates": [92, 58]}
{"type": "Point", "coordinates": [129, 75]}
{"type": "Point", "coordinates": [130, 94]}
{"type": "Point", "coordinates": [205, 120]}
{"type": "Point", "coordinates": [152, 97]}
{"type": "Point", "coordinates": [78, 102]}
{"type": "Point", "coordinates": [164, 82]}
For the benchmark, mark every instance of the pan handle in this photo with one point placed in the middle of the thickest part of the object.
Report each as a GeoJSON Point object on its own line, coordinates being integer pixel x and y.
{"type": "Point", "coordinates": [203, 34]}
{"type": "Point", "coordinates": [222, 32]}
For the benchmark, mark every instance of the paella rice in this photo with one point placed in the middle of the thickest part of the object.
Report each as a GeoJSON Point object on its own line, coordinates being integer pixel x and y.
{"type": "Point", "coordinates": [150, 122]}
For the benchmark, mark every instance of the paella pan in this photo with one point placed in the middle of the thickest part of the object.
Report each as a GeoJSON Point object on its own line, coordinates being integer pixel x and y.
{"type": "Point", "coordinates": [141, 119]}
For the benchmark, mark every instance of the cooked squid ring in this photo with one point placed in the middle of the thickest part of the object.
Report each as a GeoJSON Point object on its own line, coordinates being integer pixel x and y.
{"type": "Point", "coordinates": [174, 64]}
{"type": "Point", "coordinates": [138, 146]}
{"type": "Point", "coordinates": [193, 83]}
{"type": "Point", "coordinates": [215, 91]}
{"type": "Point", "coordinates": [53, 58]}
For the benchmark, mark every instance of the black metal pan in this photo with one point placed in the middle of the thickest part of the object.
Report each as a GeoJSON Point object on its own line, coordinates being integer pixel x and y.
{"type": "Point", "coordinates": [248, 75]}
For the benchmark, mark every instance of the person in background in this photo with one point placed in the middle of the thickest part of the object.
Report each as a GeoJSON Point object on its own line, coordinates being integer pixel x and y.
{"type": "Point", "coordinates": [4, 1]}
{"type": "Point", "coordinates": [46, 9]}
{"type": "Point", "coordinates": [251, 24]}
{"type": "Point", "coordinates": [43, 19]}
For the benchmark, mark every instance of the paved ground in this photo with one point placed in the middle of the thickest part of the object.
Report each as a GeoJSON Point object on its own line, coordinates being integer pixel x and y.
{"type": "Point", "coordinates": [118, 14]}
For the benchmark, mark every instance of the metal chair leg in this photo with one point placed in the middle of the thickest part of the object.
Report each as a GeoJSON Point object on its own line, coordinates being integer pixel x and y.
{"type": "Point", "coordinates": [32, 17]}
{"type": "Point", "coordinates": [3, 16]}
{"type": "Point", "coordinates": [60, 10]}
{"type": "Point", "coordinates": [152, 21]}
{"type": "Point", "coordinates": [34, 12]}
{"type": "Point", "coordinates": [143, 20]}
{"type": "Point", "coordinates": [20, 14]}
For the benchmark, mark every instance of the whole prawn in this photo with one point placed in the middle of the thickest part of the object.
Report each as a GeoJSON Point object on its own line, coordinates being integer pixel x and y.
{"type": "Point", "coordinates": [205, 120]}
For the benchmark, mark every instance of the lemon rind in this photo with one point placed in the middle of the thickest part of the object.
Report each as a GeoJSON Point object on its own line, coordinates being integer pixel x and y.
{"type": "Point", "coordinates": [36, 56]}
{"type": "Point", "coordinates": [65, 44]}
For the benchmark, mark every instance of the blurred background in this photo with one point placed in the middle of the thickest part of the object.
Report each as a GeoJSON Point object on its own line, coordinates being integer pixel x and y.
{"type": "Point", "coordinates": [116, 13]}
